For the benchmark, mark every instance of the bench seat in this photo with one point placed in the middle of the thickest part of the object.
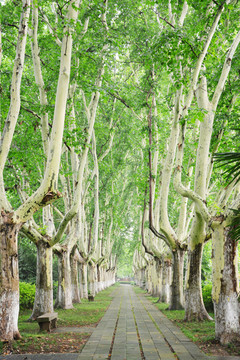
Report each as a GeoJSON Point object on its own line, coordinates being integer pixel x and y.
{"type": "Point", "coordinates": [48, 321]}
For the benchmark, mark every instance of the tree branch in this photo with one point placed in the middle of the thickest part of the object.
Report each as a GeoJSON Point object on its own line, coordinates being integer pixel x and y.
{"type": "Point", "coordinates": [182, 190]}
{"type": "Point", "coordinates": [225, 72]}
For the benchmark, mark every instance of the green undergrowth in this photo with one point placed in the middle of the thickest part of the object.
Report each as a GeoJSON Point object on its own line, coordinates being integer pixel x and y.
{"type": "Point", "coordinates": [84, 314]}
{"type": "Point", "coordinates": [196, 331]}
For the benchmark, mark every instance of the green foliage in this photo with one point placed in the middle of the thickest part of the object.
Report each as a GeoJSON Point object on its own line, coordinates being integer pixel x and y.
{"type": "Point", "coordinates": [232, 163]}
{"type": "Point", "coordinates": [207, 297]}
{"type": "Point", "coordinates": [234, 231]}
{"type": "Point", "coordinates": [55, 289]}
{"type": "Point", "coordinates": [27, 260]}
{"type": "Point", "coordinates": [206, 270]}
{"type": "Point", "coordinates": [27, 295]}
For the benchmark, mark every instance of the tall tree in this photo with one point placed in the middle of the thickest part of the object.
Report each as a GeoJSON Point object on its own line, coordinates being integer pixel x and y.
{"type": "Point", "coordinates": [12, 220]}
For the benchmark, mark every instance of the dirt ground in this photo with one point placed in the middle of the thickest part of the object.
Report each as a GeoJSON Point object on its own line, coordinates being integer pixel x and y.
{"type": "Point", "coordinates": [53, 343]}
{"type": "Point", "coordinates": [214, 348]}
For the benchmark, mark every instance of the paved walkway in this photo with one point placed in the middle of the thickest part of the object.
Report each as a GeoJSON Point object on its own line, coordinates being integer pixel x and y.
{"type": "Point", "coordinates": [132, 329]}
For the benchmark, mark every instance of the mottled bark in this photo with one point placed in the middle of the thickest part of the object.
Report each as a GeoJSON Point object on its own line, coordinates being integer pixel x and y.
{"type": "Point", "coordinates": [9, 279]}
{"type": "Point", "coordinates": [143, 278]}
{"type": "Point", "coordinates": [159, 271]}
{"type": "Point", "coordinates": [64, 294]}
{"type": "Point", "coordinates": [84, 283]}
{"type": "Point", "coordinates": [92, 279]}
{"type": "Point", "coordinates": [75, 281]}
{"type": "Point", "coordinates": [165, 295]}
{"type": "Point", "coordinates": [176, 301]}
{"type": "Point", "coordinates": [194, 306]}
{"type": "Point", "coordinates": [225, 295]}
{"type": "Point", "coordinates": [44, 283]}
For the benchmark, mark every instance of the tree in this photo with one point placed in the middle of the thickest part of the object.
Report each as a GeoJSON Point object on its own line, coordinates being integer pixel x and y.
{"type": "Point", "coordinates": [12, 220]}
{"type": "Point", "coordinates": [202, 175]}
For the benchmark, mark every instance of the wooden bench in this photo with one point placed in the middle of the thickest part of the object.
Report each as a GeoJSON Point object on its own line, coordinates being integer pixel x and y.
{"type": "Point", "coordinates": [47, 321]}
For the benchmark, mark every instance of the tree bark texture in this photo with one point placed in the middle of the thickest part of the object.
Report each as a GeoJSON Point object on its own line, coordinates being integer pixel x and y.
{"type": "Point", "coordinates": [92, 279]}
{"type": "Point", "coordinates": [225, 295]}
{"type": "Point", "coordinates": [165, 295]}
{"type": "Point", "coordinates": [194, 306]}
{"type": "Point", "coordinates": [64, 295]}
{"type": "Point", "coordinates": [84, 284]}
{"type": "Point", "coordinates": [43, 302]}
{"type": "Point", "coordinates": [75, 281]}
{"type": "Point", "coordinates": [176, 302]}
{"type": "Point", "coordinates": [9, 279]}
{"type": "Point", "coordinates": [159, 271]}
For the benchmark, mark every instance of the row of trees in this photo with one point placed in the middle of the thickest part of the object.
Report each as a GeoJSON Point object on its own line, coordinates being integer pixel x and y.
{"type": "Point", "coordinates": [201, 206]}
{"type": "Point", "coordinates": [51, 153]}
{"type": "Point", "coordinates": [111, 114]}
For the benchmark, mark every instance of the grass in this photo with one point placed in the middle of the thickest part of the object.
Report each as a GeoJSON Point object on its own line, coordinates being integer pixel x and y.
{"type": "Point", "coordinates": [84, 314]}
{"type": "Point", "coordinates": [194, 330]}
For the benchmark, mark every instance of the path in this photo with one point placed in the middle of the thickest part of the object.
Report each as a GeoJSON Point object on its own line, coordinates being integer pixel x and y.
{"type": "Point", "coordinates": [132, 329]}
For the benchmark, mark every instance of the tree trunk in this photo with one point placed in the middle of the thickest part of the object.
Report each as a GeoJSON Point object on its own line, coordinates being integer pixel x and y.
{"type": "Point", "coordinates": [225, 296]}
{"type": "Point", "coordinates": [84, 284]}
{"type": "Point", "coordinates": [103, 277]}
{"type": "Point", "coordinates": [159, 271]}
{"type": "Point", "coordinates": [194, 306]}
{"type": "Point", "coordinates": [98, 282]}
{"type": "Point", "coordinates": [176, 301]}
{"type": "Point", "coordinates": [44, 283]}
{"type": "Point", "coordinates": [92, 279]}
{"type": "Point", "coordinates": [143, 278]}
{"type": "Point", "coordinates": [64, 294]}
{"type": "Point", "coordinates": [155, 278]}
{"type": "Point", "coordinates": [75, 281]}
{"type": "Point", "coordinates": [165, 295]}
{"type": "Point", "coordinates": [9, 279]}
{"type": "Point", "coordinates": [149, 279]}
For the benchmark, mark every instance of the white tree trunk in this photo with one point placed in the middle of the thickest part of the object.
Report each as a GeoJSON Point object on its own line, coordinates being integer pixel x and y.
{"type": "Point", "coordinates": [14, 108]}
{"type": "Point", "coordinates": [9, 280]}
{"type": "Point", "coordinates": [39, 80]}
{"type": "Point", "coordinates": [75, 281]}
{"type": "Point", "coordinates": [92, 279]}
{"type": "Point", "coordinates": [166, 282]}
{"type": "Point", "coordinates": [84, 282]}
{"type": "Point", "coordinates": [225, 284]}
{"type": "Point", "coordinates": [47, 192]}
{"type": "Point", "coordinates": [159, 270]}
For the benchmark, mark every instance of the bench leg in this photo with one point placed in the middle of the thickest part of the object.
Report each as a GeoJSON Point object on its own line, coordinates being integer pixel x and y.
{"type": "Point", "coordinates": [54, 323]}
{"type": "Point", "coordinates": [45, 326]}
